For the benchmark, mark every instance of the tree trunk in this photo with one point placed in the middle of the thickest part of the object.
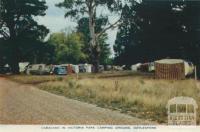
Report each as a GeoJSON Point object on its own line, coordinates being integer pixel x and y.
{"type": "Point", "coordinates": [96, 57]}
{"type": "Point", "coordinates": [94, 46]}
{"type": "Point", "coordinates": [15, 58]}
{"type": "Point", "coordinates": [14, 65]}
{"type": "Point", "coordinates": [14, 47]}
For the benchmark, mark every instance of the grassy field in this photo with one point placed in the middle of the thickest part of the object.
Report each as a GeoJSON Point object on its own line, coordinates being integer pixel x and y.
{"type": "Point", "coordinates": [137, 95]}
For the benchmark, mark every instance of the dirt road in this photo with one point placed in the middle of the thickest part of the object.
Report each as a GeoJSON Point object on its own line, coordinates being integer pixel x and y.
{"type": "Point", "coordinates": [22, 104]}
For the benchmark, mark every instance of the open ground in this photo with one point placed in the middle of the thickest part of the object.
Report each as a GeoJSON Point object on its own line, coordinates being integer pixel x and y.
{"type": "Point", "coordinates": [132, 94]}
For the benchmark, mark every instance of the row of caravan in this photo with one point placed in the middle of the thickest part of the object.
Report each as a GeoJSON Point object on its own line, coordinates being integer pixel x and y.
{"type": "Point", "coordinates": [63, 69]}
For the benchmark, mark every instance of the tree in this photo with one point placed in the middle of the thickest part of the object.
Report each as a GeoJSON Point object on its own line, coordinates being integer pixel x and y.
{"type": "Point", "coordinates": [37, 52]}
{"type": "Point", "coordinates": [18, 26]}
{"type": "Point", "coordinates": [78, 8]}
{"type": "Point", "coordinates": [68, 48]}
{"type": "Point", "coordinates": [127, 47]}
{"type": "Point", "coordinates": [3, 48]}
{"type": "Point", "coordinates": [83, 27]}
{"type": "Point", "coordinates": [159, 29]}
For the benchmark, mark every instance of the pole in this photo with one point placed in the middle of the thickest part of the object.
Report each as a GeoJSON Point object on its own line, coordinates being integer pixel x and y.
{"type": "Point", "coordinates": [195, 72]}
{"type": "Point", "coordinates": [77, 76]}
{"type": "Point", "coordinates": [0, 9]}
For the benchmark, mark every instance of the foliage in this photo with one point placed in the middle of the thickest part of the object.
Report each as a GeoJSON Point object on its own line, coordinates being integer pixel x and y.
{"type": "Point", "coordinates": [68, 48]}
{"type": "Point", "coordinates": [19, 29]}
{"type": "Point", "coordinates": [79, 8]}
{"type": "Point", "coordinates": [83, 27]}
{"type": "Point", "coordinates": [159, 29]}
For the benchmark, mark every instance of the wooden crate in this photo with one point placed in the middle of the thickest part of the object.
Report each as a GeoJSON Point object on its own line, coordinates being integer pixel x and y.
{"type": "Point", "coordinates": [169, 71]}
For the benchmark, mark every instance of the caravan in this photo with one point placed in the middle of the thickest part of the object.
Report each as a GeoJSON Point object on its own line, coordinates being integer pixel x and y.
{"type": "Point", "coordinates": [39, 69]}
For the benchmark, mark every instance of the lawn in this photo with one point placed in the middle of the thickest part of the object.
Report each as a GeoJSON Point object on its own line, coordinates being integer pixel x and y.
{"type": "Point", "coordinates": [133, 94]}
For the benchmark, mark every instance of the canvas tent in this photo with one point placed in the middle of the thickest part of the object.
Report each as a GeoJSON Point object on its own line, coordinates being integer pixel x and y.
{"type": "Point", "coordinates": [170, 69]}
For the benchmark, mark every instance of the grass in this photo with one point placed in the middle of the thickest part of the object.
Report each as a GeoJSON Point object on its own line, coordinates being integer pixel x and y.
{"type": "Point", "coordinates": [26, 79]}
{"type": "Point", "coordinates": [134, 95]}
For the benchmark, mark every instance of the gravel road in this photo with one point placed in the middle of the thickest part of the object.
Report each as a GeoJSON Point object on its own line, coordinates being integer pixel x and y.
{"type": "Point", "coordinates": [23, 104]}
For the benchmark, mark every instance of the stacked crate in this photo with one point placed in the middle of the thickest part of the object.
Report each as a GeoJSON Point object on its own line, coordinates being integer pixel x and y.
{"type": "Point", "coordinates": [169, 69]}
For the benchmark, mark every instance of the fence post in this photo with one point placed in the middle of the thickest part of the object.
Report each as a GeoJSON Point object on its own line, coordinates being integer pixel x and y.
{"type": "Point", "coordinates": [77, 76]}
{"type": "Point", "coordinates": [195, 72]}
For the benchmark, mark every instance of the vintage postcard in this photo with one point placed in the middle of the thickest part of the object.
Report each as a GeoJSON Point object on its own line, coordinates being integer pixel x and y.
{"type": "Point", "coordinates": [99, 65]}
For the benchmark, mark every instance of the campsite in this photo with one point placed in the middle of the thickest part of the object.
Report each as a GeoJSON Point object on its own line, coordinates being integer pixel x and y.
{"type": "Point", "coordinates": [136, 94]}
{"type": "Point", "coordinates": [106, 62]}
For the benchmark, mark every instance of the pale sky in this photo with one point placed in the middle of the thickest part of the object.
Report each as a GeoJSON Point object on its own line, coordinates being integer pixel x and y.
{"type": "Point", "coordinates": [55, 21]}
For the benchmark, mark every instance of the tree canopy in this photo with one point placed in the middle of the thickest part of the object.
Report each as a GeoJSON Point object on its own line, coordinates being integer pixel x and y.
{"type": "Point", "coordinates": [83, 27]}
{"type": "Point", "coordinates": [79, 8]}
{"type": "Point", "coordinates": [159, 29]}
{"type": "Point", "coordinates": [68, 47]}
{"type": "Point", "coordinates": [19, 29]}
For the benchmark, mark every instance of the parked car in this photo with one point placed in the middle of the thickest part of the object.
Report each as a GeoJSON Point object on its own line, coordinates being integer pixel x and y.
{"type": "Point", "coordinates": [117, 68]}
{"type": "Point", "coordinates": [108, 67]}
{"type": "Point", "coordinates": [39, 69]}
{"type": "Point", "coordinates": [59, 70]}
{"type": "Point", "coordinates": [4, 70]}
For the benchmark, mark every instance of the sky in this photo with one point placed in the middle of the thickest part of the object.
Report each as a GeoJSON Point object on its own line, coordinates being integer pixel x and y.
{"type": "Point", "coordinates": [55, 21]}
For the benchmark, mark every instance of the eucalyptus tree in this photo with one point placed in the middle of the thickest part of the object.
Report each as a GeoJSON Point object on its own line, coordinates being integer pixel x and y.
{"type": "Point", "coordinates": [83, 27]}
{"type": "Point", "coordinates": [89, 8]}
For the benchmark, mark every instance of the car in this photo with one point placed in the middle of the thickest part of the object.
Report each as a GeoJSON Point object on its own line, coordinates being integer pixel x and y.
{"type": "Point", "coordinates": [59, 70]}
{"type": "Point", "coordinates": [4, 70]}
{"type": "Point", "coordinates": [108, 67]}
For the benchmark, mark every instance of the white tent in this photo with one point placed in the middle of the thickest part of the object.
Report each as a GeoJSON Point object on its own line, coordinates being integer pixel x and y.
{"type": "Point", "coordinates": [75, 68]}
{"type": "Point", "coordinates": [22, 66]}
{"type": "Point", "coordinates": [88, 68]}
{"type": "Point", "coordinates": [135, 67]}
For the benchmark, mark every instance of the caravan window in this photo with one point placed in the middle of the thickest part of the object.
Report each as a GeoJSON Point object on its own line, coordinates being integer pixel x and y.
{"type": "Point", "coordinates": [40, 67]}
